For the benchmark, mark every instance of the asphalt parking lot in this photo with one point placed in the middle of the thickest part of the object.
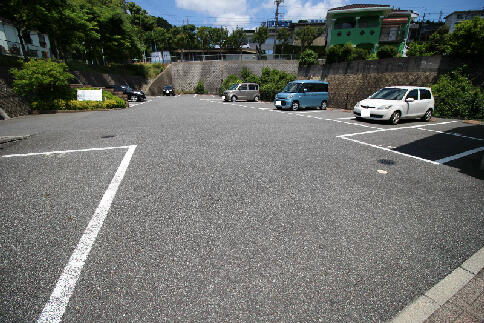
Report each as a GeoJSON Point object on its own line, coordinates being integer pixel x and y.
{"type": "Point", "coordinates": [190, 208]}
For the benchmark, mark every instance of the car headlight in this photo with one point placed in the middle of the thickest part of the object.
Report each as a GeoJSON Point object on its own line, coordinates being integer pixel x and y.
{"type": "Point", "coordinates": [357, 105]}
{"type": "Point", "coordinates": [386, 106]}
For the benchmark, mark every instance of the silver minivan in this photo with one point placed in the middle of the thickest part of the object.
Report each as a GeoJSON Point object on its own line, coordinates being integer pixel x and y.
{"type": "Point", "coordinates": [242, 91]}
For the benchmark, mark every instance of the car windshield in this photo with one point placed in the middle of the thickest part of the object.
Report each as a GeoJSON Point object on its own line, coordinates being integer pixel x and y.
{"type": "Point", "coordinates": [168, 87]}
{"type": "Point", "coordinates": [291, 88]}
{"type": "Point", "coordinates": [389, 93]}
{"type": "Point", "coordinates": [233, 86]}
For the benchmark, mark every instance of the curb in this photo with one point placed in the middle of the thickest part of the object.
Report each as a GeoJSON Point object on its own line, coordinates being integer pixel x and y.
{"type": "Point", "coordinates": [436, 297]}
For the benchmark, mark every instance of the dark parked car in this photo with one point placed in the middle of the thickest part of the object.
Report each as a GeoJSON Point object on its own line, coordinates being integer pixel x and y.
{"type": "Point", "coordinates": [168, 90]}
{"type": "Point", "coordinates": [132, 94]}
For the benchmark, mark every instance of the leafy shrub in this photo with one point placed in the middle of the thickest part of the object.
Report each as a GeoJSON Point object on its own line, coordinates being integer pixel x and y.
{"type": "Point", "coordinates": [467, 40]}
{"type": "Point", "coordinates": [456, 97]}
{"type": "Point", "coordinates": [200, 89]}
{"type": "Point", "coordinates": [345, 53]}
{"type": "Point", "coordinates": [386, 51]}
{"type": "Point", "coordinates": [42, 80]}
{"type": "Point", "coordinates": [231, 79]}
{"type": "Point", "coordinates": [368, 46]}
{"type": "Point", "coordinates": [417, 49]}
{"type": "Point", "coordinates": [114, 104]}
{"type": "Point", "coordinates": [308, 57]}
{"type": "Point", "coordinates": [249, 77]}
{"type": "Point", "coordinates": [359, 54]}
{"type": "Point", "coordinates": [110, 101]}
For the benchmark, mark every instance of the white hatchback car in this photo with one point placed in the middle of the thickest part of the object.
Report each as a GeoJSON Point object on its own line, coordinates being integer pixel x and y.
{"type": "Point", "coordinates": [397, 102]}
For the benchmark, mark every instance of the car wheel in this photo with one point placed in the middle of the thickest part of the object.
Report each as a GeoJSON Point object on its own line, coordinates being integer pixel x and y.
{"type": "Point", "coordinates": [395, 118]}
{"type": "Point", "coordinates": [295, 106]}
{"type": "Point", "coordinates": [428, 115]}
{"type": "Point", "coordinates": [138, 99]}
{"type": "Point", "coordinates": [359, 118]}
{"type": "Point", "coordinates": [256, 98]}
{"type": "Point", "coordinates": [323, 105]}
{"type": "Point", "coordinates": [278, 108]}
{"type": "Point", "coordinates": [233, 98]}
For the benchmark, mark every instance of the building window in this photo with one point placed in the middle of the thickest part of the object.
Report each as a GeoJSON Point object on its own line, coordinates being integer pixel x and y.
{"type": "Point", "coordinates": [362, 32]}
{"type": "Point", "coordinates": [348, 33]}
{"type": "Point", "coordinates": [344, 23]}
{"type": "Point", "coordinates": [368, 21]}
{"type": "Point", "coordinates": [42, 41]}
{"type": "Point", "coordinates": [26, 38]}
{"type": "Point", "coordinates": [459, 16]}
{"type": "Point", "coordinates": [372, 32]}
{"type": "Point", "coordinates": [389, 33]}
{"type": "Point", "coordinates": [338, 34]}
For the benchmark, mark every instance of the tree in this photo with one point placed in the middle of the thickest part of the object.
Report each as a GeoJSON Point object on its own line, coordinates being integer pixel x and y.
{"type": "Point", "coordinates": [308, 57]}
{"type": "Point", "coordinates": [260, 36]}
{"type": "Point", "coordinates": [41, 80]}
{"type": "Point", "coordinates": [307, 35]}
{"type": "Point", "coordinates": [203, 36]}
{"type": "Point", "coordinates": [185, 37]}
{"type": "Point", "coordinates": [237, 39]}
{"type": "Point", "coordinates": [283, 35]}
{"type": "Point", "coordinates": [219, 37]}
{"type": "Point", "coordinates": [467, 40]}
{"type": "Point", "coordinates": [386, 51]}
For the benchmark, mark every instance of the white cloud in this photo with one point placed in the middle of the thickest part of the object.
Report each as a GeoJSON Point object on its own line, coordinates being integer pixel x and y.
{"type": "Point", "coordinates": [299, 9]}
{"type": "Point", "coordinates": [213, 7]}
{"type": "Point", "coordinates": [232, 20]}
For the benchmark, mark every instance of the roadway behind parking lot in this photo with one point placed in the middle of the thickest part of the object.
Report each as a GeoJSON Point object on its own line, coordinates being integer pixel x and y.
{"type": "Point", "coordinates": [236, 212]}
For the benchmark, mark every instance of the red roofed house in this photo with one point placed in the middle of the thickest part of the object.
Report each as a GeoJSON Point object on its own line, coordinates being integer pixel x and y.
{"type": "Point", "coordinates": [369, 26]}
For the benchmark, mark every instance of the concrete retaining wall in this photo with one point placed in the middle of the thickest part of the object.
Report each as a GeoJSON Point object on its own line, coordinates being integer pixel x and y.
{"type": "Point", "coordinates": [185, 75]}
{"type": "Point", "coordinates": [353, 81]}
{"type": "Point", "coordinates": [164, 78]}
{"type": "Point", "coordinates": [104, 80]}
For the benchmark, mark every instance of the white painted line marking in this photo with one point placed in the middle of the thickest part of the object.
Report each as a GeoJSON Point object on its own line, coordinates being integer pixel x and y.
{"type": "Point", "coordinates": [390, 129]}
{"type": "Point", "coordinates": [65, 151]}
{"type": "Point", "coordinates": [56, 306]}
{"type": "Point", "coordinates": [393, 151]}
{"type": "Point", "coordinates": [452, 134]}
{"type": "Point", "coordinates": [464, 154]}
{"type": "Point", "coordinates": [264, 108]}
{"type": "Point", "coordinates": [347, 118]}
{"type": "Point", "coordinates": [424, 306]}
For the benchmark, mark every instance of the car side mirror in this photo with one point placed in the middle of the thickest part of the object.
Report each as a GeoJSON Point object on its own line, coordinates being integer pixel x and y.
{"type": "Point", "coordinates": [409, 100]}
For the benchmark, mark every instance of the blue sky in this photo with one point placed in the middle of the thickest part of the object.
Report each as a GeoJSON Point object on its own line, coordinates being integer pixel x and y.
{"type": "Point", "coordinates": [250, 13]}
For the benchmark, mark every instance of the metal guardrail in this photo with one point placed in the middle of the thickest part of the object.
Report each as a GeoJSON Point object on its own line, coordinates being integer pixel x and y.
{"type": "Point", "coordinates": [224, 57]}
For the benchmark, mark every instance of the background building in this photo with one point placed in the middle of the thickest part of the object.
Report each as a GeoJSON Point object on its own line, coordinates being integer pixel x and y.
{"type": "Point", "coordinates": [457, 16]}
{"type": "Point", "coordinates": [36, 44]}
{"type": "Point", "coordinates": [369, 26]}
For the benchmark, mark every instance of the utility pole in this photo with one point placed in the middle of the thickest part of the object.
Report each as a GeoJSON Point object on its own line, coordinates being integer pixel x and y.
{"type": "Point", "coordinates": [277, 2]}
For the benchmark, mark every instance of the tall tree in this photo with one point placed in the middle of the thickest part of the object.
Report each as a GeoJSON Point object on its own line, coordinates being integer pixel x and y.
{"type": "Point", "coordinates": [203, 36]}
{"type": "Point", "coordinates": [260, 36]}
{"type": "Point", "coordinates": [219, 37]}
{"type": "Point", "coordinates": [185, 38]}
{"type": "Point", "coordinates": [307, 35]}
{"type": "Point", "coordinates": [237, 39]}
{"type": "Point", "coordinates": [283, 35]}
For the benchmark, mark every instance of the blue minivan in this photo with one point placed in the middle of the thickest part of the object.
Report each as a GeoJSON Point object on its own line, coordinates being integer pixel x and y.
{"type": "Point", "coordinates": [303, 94]}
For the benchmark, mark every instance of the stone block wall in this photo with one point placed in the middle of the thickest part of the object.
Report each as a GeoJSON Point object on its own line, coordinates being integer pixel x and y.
{"type": "Point", "coordinates": [156, 86]}
{"type": "Point", "coordinates": [345, 90]}
{"type": "Point", "coordinates": [11, 103]}
{"type": "Point", "coordinates": [185, 75]}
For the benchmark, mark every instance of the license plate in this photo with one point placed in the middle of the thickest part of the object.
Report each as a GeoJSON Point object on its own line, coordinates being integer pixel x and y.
{"type": "Point", "coordinates": [365, 113]}
{"type": "Point", "coordinates": [278, 103]}
{"type": "Point", "coordinates": [167, 92]}
{"type": "Point", "coordinates": [223, 97]}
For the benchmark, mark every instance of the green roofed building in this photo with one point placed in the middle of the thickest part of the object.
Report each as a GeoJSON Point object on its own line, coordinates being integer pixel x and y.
{"type": "Point", "coordinates": [369, 26]}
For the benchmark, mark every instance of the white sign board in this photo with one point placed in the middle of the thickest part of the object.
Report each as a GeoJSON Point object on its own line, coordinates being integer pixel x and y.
{"type": "Point", "coordinates": [166, 57]}
{"type": "Point", "coordinates": [156, 57]}
{"type": "Point", "coordinates": [90, 95]}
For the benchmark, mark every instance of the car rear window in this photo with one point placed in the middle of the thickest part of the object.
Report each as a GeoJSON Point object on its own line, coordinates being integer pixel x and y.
{"type": "Point", "coordinates": [425, 94]}
{"type": "Point", "coordinates": [252, 87]}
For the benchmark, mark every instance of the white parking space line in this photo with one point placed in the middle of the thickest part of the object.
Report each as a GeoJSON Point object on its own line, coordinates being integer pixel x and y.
{"type": "Point", "coordinates": [393, 129]}
{"type": "Point", "coordinates": [390, 150]}
{"type": "Point", "coordinates": [456, 134]}
{"type": "Point", "coordinates": [65, 151]}
{"type": "Point", "coordinates": [56, 306]}
{"type": "Point", "coordinates": [458, 156]}
{"type": "Point", "coordinates": [347, 118]}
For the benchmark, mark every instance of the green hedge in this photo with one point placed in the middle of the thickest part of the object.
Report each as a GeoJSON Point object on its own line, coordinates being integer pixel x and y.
{"type": "Point", "coordinates": [271, 81]}
{"type": "Point", "coordinates": [456, 97]}
{"type": "Point", "coordinates": [110, 101]}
